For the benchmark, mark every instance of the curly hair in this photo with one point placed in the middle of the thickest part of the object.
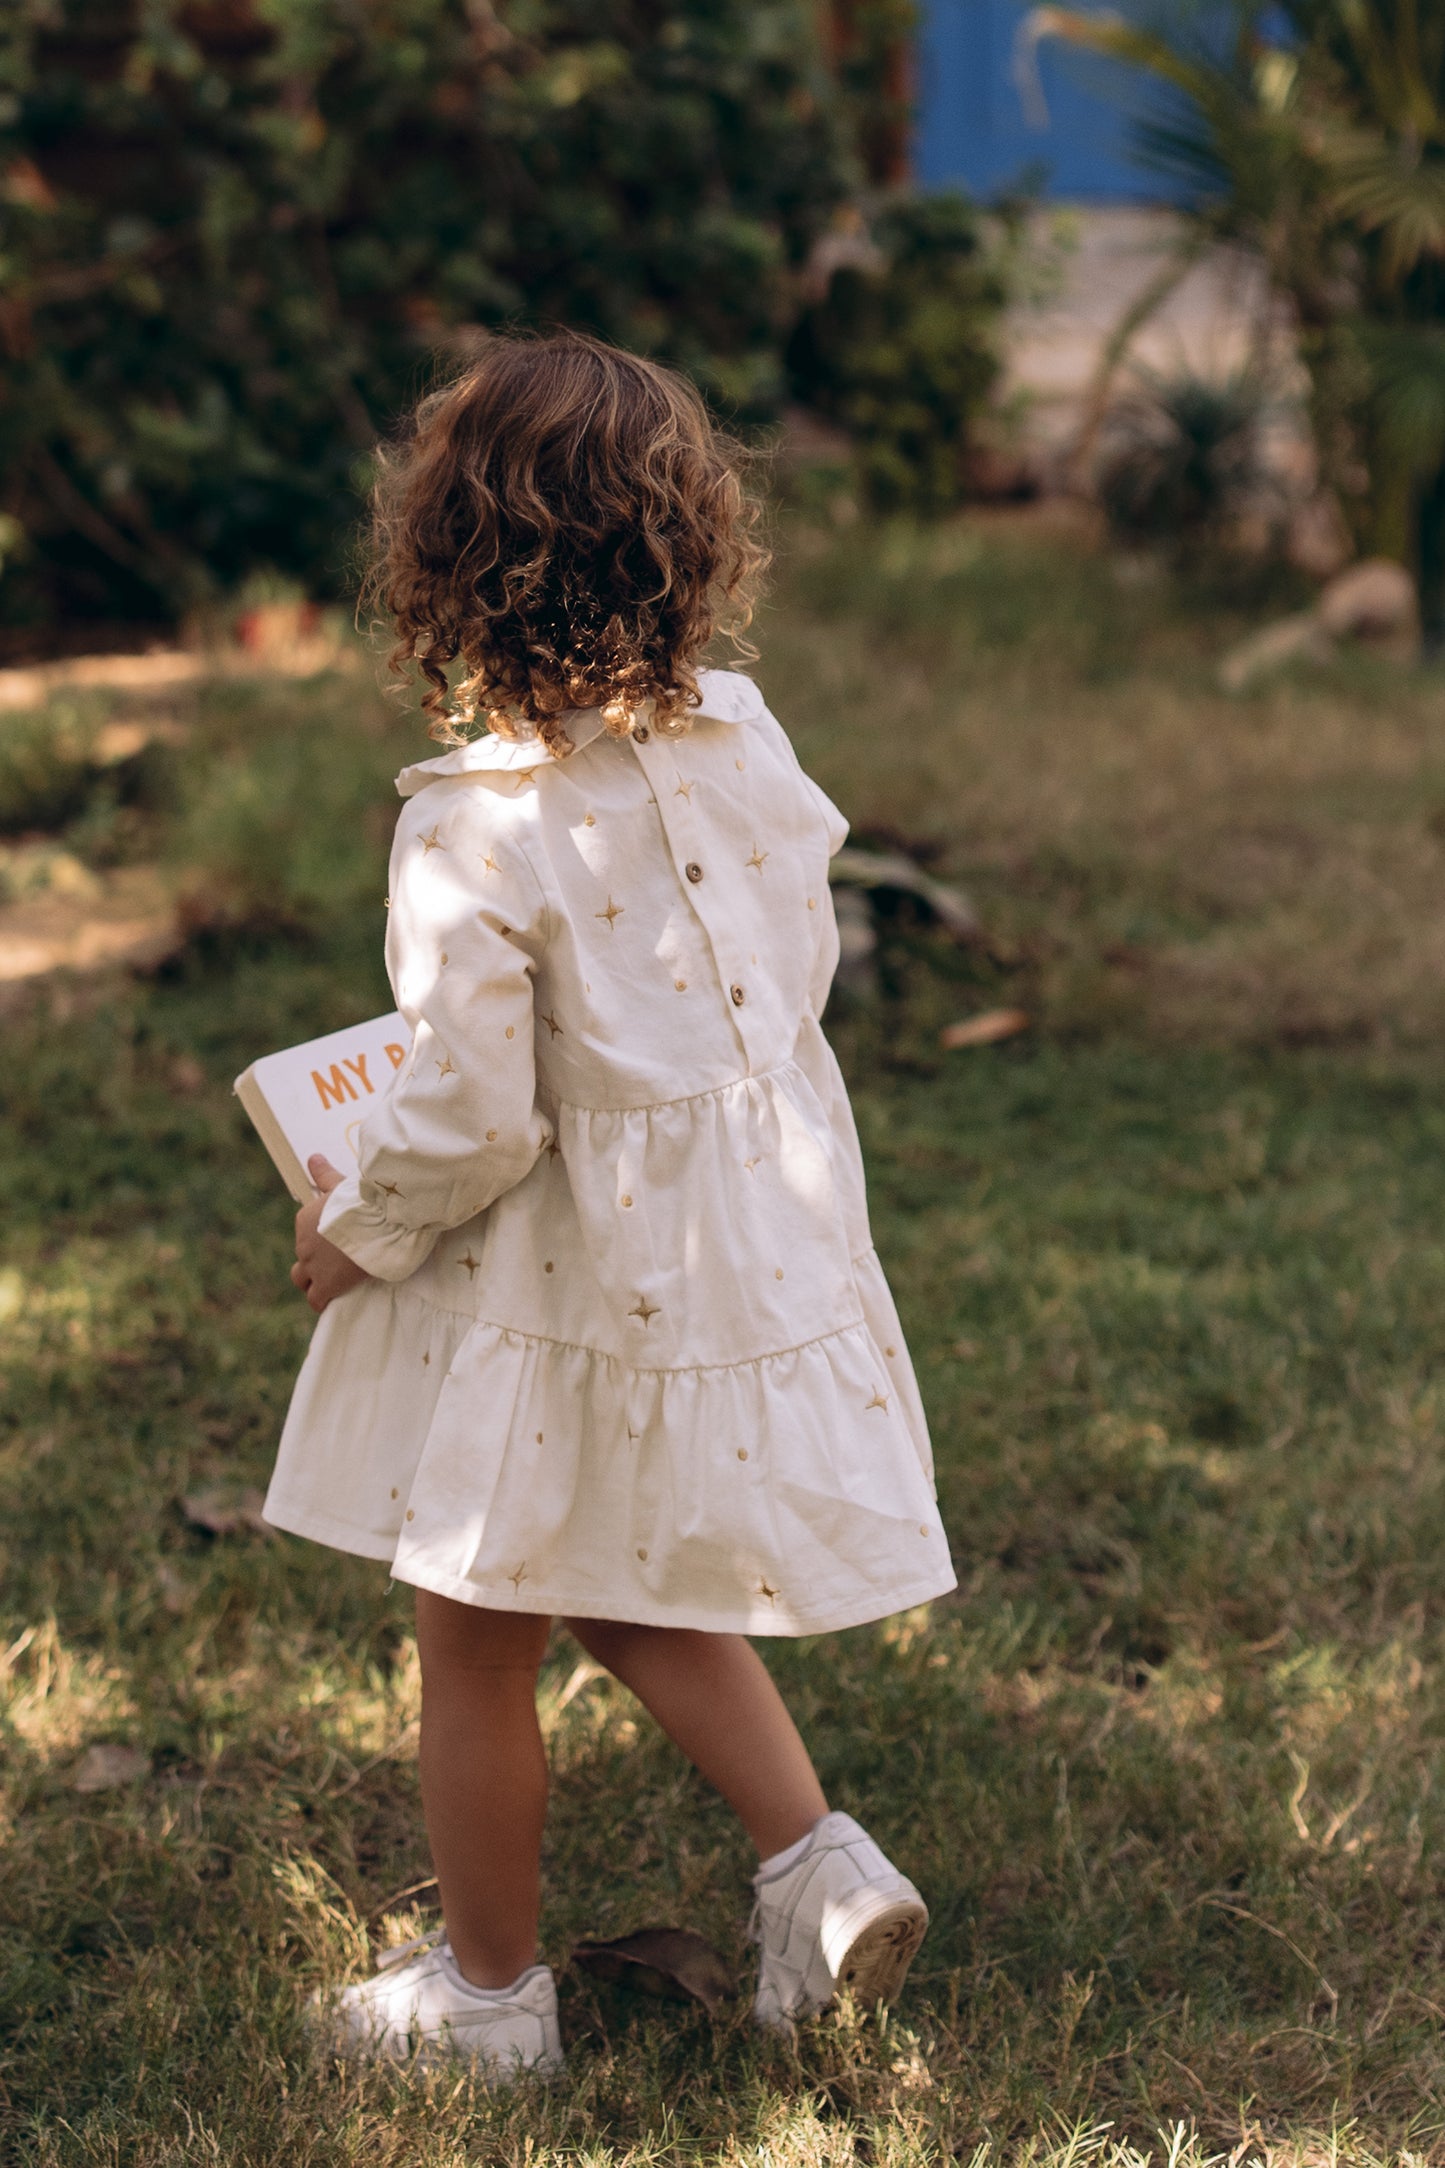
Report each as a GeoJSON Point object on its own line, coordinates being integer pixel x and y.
{"type": "Point", "coordinates": [565, 519]}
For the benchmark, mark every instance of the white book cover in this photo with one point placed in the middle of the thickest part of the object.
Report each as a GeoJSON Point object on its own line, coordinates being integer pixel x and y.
{"type": "Point", "coordinates": [314, 1097]}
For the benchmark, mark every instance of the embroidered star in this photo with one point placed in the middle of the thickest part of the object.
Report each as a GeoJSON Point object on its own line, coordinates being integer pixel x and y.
{"type": "Point", "coordinates": [552, 1024]}
{"type": "Point", "coordinates": [431, 843]}
{"type": "Point", "coordinates": [447, 1067]}
{"type": "Point", "coordinates": [684, 790]}
{"type": "Point", "coordinates": [388, 1189]}
{"type": "Point", "coordinates": [614, 911]}
{"type": "Point", "coordinates": [490, 863]}
{"type": "Point", "coordinates": [645, 1310]}
{"type": "Point", "coordinates": [757, 858]}
{"type": "Point", "coordinates": [755, 1161]}
{"type": "Point", "coordinates": [519, 1576]}
{"type": "Point", "coordinates": [469, 1261]}
{"type": "Point", "coordinates": [524, 775]}
{"type": "Point", "coordinates": [632, 1435]}
{"type": "Point", "coordinates": [879, 1400]}
{"type": "Point", "coordinates": [764, 1590]}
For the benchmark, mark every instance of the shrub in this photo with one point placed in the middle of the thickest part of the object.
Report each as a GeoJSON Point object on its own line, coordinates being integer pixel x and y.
{"type": "Point", "coordinates": [236, 229]}
{"type": "Point", "coordinates": [900, 348]}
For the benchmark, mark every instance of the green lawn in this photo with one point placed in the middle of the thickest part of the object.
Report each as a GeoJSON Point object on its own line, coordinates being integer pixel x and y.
{"type": "Point", "coordinates": [1168, 1768]}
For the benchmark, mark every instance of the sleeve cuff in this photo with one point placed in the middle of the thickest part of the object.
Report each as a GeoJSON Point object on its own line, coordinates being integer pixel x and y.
{"type": "Point", "coordinates": [369, 1239]}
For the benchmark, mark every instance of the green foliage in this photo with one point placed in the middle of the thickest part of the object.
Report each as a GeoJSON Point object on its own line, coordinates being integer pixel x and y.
{"type": "Point", "coordinates": [900, 349]}
{"type": "Point", "coordinates": [1320, 143]}
{"type": "Point", "coordinates": [236, 230]}
{"type": "Point", "coordinates": [1180, 459]}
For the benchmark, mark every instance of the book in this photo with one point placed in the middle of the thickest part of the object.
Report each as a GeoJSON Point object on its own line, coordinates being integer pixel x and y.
{"type": "Point", "coordinates": [314, 1097]}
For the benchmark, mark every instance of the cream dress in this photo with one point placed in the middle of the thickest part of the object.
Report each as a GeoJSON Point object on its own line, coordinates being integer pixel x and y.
{"type": "Point", "coordinates": [628, 1352]}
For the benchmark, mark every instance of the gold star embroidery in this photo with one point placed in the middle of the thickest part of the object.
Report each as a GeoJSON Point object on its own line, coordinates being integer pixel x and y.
{"type": "Point", "coordinates": [447, 1067]}
{"type": "Point", "coordinates": [469, 1261]}
{"type": "Point", "coordinates": [764, 1590]}
{"type": "Point", "coordinates": [519, 1576]}
{"type": "Point", "coordinates": [614, 911]}
{"type": "Point", "coordinates": [757, 858]}
{"type": "Point", "coordinates": [388, 1189]}
{"type": "Point", "coordinates": [431, 843]}
{"type": "Point", "coordinates": [646, 1310]}
{"type": "Point", "coordinates": [632, 1435]}
{"type": "Point", "coordinates": [490, 864]}
{"type": "Point", "coordinates": [879, 1400]}
{"type": "Point", "coordinates": [756, 1161]}
{"type": "Point", "coordinates": [684, 790]}
{"type": "Point", "coordinates": [552, 1024]}
{"type": "Point", "coordinates": [524, 775]}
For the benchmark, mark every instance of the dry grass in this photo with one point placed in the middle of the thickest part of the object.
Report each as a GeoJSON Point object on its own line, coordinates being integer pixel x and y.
{"type": "Point", "coordinates": [1168, 1768]}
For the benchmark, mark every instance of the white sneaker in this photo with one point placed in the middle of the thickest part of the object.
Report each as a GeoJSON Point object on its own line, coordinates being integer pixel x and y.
{"type": "Point", "coordinates": [842, 1916]}
{"type": "Point", "coordinates": [418, 2002]}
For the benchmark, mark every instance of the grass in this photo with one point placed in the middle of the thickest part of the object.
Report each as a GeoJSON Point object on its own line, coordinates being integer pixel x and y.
{"type": "Point", "coordinates": [1168, 1767]}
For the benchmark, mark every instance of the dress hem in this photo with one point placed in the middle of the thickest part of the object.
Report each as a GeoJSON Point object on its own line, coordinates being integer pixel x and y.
{"type": "Point", "coordinates": [362, 1543]}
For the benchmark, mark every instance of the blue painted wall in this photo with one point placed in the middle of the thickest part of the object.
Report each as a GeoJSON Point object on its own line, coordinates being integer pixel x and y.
{"type": "Point", "coordinates": [972, 128]}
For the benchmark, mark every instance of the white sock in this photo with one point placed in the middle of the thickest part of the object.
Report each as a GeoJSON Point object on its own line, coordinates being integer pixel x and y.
{"type": "Point", "coordinates": [782, 1861]}
{"type": "Point", "coordinates": [486, 1994]}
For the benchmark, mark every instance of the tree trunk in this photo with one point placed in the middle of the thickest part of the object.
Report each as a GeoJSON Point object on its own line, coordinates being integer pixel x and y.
{"type": "Point", "coordinates": [1431, 534]}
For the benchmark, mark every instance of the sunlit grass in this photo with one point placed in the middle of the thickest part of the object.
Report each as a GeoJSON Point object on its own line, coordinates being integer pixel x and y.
{"type": "Point", "coordinates": [1169, 1765]}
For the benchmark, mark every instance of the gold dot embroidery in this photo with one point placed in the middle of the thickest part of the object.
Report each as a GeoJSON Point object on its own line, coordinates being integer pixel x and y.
{"type": "Point", "coordinates": [411, 1516]}
{"type": "Point", "coordinates": [589, 820]}
{"type": "Point", "coordinates": [426, 1360]}
{"type": "Point", "coordinates": [511, 1031]}
{"type": "Point", "coordinates": [642, 1552]}
{"type": "Point", "coordinates": [627, 1204]}
{"type": "Point", "coordinates": [921, 1529]}
{"type": "Point", "coordinates": [539, 1437]}
{"type": "Point", "coordinates": [812, 903]}
{"type": "Point", "coordinates": [742, 1452]}
{"type": "Point", "coordinates": [444, 956]}
{"type": "Point", "coordinates": [548, 1267]}
{"type": "Point", "coordinates": [890, 1351]}
{"type": "Point", "coordinates": [681, 985]}
{"type": "Point", "coordinates": [740, 765]}
{"type": "Point", "coordinates": [779, 1273]}
{"type": "Point", "coordinates": [491, 1136]}
{"type": "Point", "coordinates": [395, 1492]}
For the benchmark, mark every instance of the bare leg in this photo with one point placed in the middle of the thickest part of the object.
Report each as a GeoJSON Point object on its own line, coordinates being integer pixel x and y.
{"type": "Point", "coordinates": [713, 1696]}
{"type": "Point", "coordinates": [483, 1779]}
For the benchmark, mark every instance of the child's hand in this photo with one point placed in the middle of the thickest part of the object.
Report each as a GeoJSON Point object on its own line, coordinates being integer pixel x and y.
{"type": "Point", "coordinates": [321, 1271]}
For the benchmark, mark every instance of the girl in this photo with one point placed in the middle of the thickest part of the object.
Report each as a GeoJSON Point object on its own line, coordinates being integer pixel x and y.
{"type": "Point", "coordinates": [602, 1333]}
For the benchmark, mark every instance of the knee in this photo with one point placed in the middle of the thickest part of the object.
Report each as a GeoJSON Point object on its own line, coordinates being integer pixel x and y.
{"type": "Point", "coordinates": [464, 1639]}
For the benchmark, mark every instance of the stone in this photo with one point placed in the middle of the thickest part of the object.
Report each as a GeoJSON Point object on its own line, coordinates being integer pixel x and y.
{"type": "Point", "coordinates": [1374, 600]}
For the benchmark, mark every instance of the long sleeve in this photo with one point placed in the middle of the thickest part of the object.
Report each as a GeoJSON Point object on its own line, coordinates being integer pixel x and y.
{"type": "Point", "coordinates": [460, 1125]}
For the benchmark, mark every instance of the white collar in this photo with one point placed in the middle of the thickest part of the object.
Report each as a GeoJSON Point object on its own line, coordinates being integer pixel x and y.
{"type": "Point", "coordinates": [727, 697]}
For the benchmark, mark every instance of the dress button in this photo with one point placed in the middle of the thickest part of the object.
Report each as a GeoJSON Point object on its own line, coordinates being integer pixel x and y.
{"type": "Point", "coordinates": [693, 871]}
{"type": "Point", "coordinates": [739, 997]}
{"type": "Point", "coordinates": [642, 733]}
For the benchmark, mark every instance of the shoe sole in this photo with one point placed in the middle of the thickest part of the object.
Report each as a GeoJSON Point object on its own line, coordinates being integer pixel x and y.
{"type": "Point", "coordinates": [869, 1949]}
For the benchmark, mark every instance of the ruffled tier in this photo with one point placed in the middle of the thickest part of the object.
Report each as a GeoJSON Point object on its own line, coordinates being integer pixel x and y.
{"type": "Point", "coordinates": [789, 1494]}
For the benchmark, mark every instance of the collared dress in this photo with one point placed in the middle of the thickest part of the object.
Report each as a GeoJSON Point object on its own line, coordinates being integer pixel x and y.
{"type": "Point", "coordinates": [627, 1351]}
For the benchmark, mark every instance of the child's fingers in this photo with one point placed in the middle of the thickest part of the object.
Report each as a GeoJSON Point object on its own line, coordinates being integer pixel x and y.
{"type": "Point", "coordinates": [322, 1173]}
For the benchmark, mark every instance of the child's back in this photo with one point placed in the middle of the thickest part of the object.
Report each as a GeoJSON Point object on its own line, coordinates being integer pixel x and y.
{"type": "Point", "coordinates": [651, 1370]}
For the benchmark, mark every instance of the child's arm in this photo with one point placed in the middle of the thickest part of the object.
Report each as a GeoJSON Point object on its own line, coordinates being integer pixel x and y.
{"type": "Point", "coordinates": [459, 1125]}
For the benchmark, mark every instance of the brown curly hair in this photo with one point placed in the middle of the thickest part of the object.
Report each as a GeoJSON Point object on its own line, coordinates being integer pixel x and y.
{"type": "Point", "coordinates": [564, 518]}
